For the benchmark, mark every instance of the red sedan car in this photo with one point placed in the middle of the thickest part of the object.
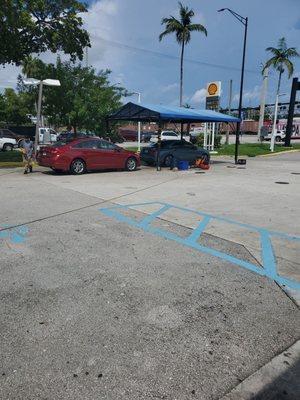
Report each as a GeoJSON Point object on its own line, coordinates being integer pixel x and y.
{"type": "Point", "coordinates": [81, 155]}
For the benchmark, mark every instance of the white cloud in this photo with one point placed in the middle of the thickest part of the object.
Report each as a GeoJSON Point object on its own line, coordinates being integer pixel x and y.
{"type": "Point", "coordinates": [250, 95]}
{"type": "Point", "coordinates": [8, 76]}
{"type": "Point", "coordinates": [169, 88]}
{"type": "Point", "coordinates": [199, 96]}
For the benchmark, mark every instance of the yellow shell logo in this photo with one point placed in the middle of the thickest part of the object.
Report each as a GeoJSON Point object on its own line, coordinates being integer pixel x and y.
{"type": "Point", "coordinates": [212, 89]}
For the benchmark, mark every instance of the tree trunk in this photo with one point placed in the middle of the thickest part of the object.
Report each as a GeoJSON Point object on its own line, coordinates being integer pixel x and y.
{"type": "Point", "coordinates": [181, 74]}
{"type": "Point", "coordinates": [279, 83]}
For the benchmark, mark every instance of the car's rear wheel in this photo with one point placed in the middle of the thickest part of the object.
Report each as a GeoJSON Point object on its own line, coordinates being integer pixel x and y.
{"type": "Point", "coordinates": [278, 138]}
{"type": "Point", "coordinates": [8, 147]}
{"type": "Point", "coordinates": [78, 167]}
{"type": "Point", "coordinates": [131, 164]}
{"type": "Point", "coordinates": [168, 161]}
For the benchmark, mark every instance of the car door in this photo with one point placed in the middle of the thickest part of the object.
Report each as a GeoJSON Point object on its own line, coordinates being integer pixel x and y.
{"type": "Point", "coordinates": [90, 152]}
{"type": "Point", "coordinates": [112, 155]}
{"type": "Point", "coordinates": [185, 151]}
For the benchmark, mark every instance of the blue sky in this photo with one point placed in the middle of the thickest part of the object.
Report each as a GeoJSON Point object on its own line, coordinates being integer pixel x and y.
{"type": "Point", "coordinates": [126, 27]}
{"type": "Point", "coordinates": [124, 36]}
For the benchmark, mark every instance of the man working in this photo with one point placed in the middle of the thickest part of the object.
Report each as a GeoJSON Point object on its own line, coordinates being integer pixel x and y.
{"type": "Point", "coordinates": [27, 149]}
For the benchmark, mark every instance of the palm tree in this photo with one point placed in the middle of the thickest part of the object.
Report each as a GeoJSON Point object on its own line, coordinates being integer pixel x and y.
{"type": "Point", "coordinates": [280, 61]}
{"type": "Point", "coordinates": [182, 28]}
{"type": "Point", "coordinates": [31, 66]}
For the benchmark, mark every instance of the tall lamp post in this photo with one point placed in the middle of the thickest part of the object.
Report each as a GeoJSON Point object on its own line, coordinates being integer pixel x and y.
{"type": "Point", "coordinates": [244, 21]}
{"type": "Point", "coordinates": [139, 123]}
{"type": "Point", "coordinates": [41, 83]}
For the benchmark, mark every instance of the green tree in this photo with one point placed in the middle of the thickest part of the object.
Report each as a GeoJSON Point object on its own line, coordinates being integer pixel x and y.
{"type": "Point", "coordinates": [182, 28]}
{"type": "Point", "coordinates": [35, 26]}
{"type": "Point", "coordinates": [281, 60]}
{"type": "Point", "coordinates": [84, 99]}
{"type": "Point", "coordinates": [14, 107]}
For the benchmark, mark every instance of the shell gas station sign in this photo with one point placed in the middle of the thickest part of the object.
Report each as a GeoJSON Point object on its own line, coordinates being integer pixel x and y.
{"type": "Point", "coordinates": [213, 94]}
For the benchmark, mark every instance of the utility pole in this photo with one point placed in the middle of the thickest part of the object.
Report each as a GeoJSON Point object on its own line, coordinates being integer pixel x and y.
{"type": "Point", "coordinates": [263, 101]}
{"type": "Point", "coordinates": [289, 127]}
{"type": "Point", "coordinates": [229, 110]}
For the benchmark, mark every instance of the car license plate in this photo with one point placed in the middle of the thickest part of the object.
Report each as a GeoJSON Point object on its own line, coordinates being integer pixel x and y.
{"type": "Point", "coordinates": [44, 154]}
{"type": "Point", "coordinates": [146, 151]}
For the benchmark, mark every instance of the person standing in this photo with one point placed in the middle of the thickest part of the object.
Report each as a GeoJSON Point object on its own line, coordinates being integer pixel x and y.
{"type": "Point", "coordinates": [27, 149]}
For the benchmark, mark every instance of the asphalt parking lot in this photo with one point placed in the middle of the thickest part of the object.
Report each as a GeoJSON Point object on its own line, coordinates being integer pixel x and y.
{"type": "Point", "coordinates": [101, 304]}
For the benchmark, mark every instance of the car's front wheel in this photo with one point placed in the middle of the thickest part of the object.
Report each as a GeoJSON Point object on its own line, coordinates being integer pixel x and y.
{"type": "Point", "coordinates": [131, 164]}
{"type": "Point", "coordinates": [78, 167]}
{"type": "Point", "coordinates": [278, 138]}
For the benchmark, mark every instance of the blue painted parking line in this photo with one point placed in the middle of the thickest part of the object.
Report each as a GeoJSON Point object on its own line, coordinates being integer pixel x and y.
{"type": "Point", "coordinates": [269, 260]}
{"type": "Point", "coordinates": [13, 236]}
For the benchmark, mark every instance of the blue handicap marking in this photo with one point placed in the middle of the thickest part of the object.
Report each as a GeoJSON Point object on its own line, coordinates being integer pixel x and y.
{"type": "Point", "coordinates": [269, 263]}
{"type": "Point", "coordinates": [13, 235]}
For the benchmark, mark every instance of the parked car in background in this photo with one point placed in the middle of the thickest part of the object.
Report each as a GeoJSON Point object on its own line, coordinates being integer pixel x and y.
{"type": "Point", "coordinates": [128, 135]}
{"type": "Point", "coordinates": [146, 136]}
{"type": "Point", "coordinates": [132, 136]}
{"type": "Point", "coordinates": [165, 135]}
{"type": "Point", "coordinates": [68, 136]}
{"type": "Point", "coordinates": [280, 136]}
{"type": "Point", "coordinates": [7, 143]}
{"type": "Point", "coordinates": [81, 155]}
{"type": "Point", "coordinates": [170, 150]}
{"type": "Point", "coordinates": [7, 133]}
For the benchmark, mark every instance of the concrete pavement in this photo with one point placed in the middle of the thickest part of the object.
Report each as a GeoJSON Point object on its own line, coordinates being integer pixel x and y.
{"type": "Point", "coordinates": [96, 308]}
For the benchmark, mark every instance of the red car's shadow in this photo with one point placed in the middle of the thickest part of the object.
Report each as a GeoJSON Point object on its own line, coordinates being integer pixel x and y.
{"type": "Point", "coordinates": [101, 171]}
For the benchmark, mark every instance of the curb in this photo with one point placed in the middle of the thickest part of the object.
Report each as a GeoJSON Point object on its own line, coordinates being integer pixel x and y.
{"type": "Point", "coordinates": [278, 379]}
{"type": "Point", "coordinates": [279, 152]}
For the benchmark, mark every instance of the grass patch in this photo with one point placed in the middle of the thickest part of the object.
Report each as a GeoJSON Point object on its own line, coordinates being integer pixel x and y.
{"type": "Point", "coordinates": [254, 149]}
{"type": "Point", "coordinates": [10, 159]}
{"type": "Point", "coordinates": [10, 164]}
{"type": "Point", "coordinates": [134, 149]}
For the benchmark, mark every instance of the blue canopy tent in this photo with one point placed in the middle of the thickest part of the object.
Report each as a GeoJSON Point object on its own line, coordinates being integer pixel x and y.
{"type": "Point", "coordinates": [158, 113]}
{"type": "Point", "coordinates": [163, 114]}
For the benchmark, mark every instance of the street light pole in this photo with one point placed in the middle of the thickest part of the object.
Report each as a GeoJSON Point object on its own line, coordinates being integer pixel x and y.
{"type": "Point", "coordinates": [263, 102]}
{"type": "Point", "coordinates": [35, 82]}
{"type": "Point", "coordinates": [139, 123]}
{"type": "Point", "coordinates": [244, 21]}
{"type": "Point", "coordinates": [38, 117]}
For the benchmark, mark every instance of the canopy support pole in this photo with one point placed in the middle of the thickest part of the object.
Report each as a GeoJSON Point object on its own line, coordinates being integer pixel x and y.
{"type": "Point", "coordinates": [158, 167]}
{"type": "Point", "coordinates": [181, 131]}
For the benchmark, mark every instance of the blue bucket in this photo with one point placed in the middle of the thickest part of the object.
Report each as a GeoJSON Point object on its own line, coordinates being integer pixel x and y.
{"type": "Point", "coordinates": [183, 165]}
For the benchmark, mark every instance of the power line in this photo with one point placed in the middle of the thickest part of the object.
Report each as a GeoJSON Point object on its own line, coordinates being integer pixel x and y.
{"type": "Point", "coordinates": [169, 56]}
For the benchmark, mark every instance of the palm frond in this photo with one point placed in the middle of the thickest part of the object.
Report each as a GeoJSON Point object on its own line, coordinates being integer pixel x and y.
{"type": "Point", "coordinates": [181, 27]}
{"type": "Point", "coordinates": [289, 66]}
{"type": "Point", "coordinates": [281, 57]}
{"type": "Point", "coordinates": [292, 52]}
{"type": "Point", "coordinates": [273, 50]}
{"type": "Point", "coordinates": [198, 28]}
{"type": "Point", "coordinates": [166, 32]}
{"type": "Point", "coordinates": [272, 62]}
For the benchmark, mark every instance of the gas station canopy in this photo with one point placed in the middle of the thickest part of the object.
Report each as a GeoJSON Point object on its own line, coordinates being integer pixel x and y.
{"type": "Point", "coordinates": [158, 113]}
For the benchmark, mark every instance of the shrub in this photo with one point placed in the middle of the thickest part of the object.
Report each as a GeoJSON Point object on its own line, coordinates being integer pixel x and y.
{"type": "Point", "coordinates": [200, 140]}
